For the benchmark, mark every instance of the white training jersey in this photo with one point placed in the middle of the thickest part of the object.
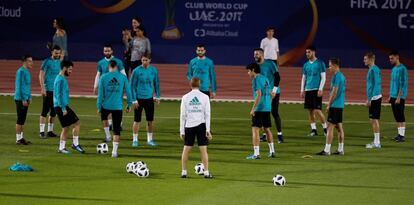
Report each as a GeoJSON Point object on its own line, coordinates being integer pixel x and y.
{"type": "Point", "coordinates": [270, 47]}
{"type": "Point", "coordinates": [195, 110]}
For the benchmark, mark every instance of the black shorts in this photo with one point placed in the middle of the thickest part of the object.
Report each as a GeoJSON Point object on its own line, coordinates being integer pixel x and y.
{"type": "Point", "coordinates": [261, 119]}
{"type": "Point", "coordinates": [398, 110]}
{"type": "Point", "coordinates": [21, 112]}
{"type": "Point", "coordinates": [312, 101]}
{"type": "Point", "coordinates": [206, 92]}
{"type": "Point", "coordinates": [335, 115]}
{"type": "Point", "coordinates": [116, 119]}
{"type": "Point", "coordinates": [69, 119]}
{"type": "Point", "coordinates": [48, 105]}
{"type": "Point", "coordinates": [148, 106]}
{"type": "Point", "coordinates": [198, 131]}
{"type": "Point", "coordinates": [375, 109]}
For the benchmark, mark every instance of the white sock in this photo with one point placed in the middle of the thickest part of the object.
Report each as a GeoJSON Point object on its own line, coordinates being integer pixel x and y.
{"type": "Point", "coordinates": [279, 133]}
{"type": "Point", "coordinates": [107, 133]}
{"type": "Point", "coordinates": [340, 147]}
{"type": "Point", "coordinates": [42, 127]}
{"type": "Point", "coordinates": [149, 137]}
{"type": "Point", "coordinates": [183, 172]}
{"type": "Point", "coordinates": [256, 150]}
{"type": "Point", "coordinates": [18, 137]}
{"type": "Point", "coordinates": [377, 138]}
{"type": "Point", "coordinates": [401, 131]}
{"type": "Point", "coordinates": [313, 126]}
{"type": "Point", "coordinates": [206, 173]}
{"type": "Point", "coordinates": [271, 147]}
{"type": "Point", "coordinates": [135, 137]}
{"type": "Point", "coordinates": [76, 140]}
{"type": "Point", "coordinates": [62, 145]}
{"type": "Point", "coordinates": [324, 125]}
{"type": "Point", "coordinates": [327, 148]}
{"type": "Point", "coordinates": [22, 134]}
{"type": "Point", "coordinates": [110, 122]}
{"type": "Point", "coordinates": [50, 127]}
{"type": "Point", "coordinates": [115, 147]}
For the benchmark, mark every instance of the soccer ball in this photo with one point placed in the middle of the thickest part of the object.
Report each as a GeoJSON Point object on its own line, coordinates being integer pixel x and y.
{"type": "Point", "coordinates": [279, 180]}
{"type": "Point", "coordinates": [199, 168]}
{"type": "Point", "coordinates": [130, 167]}
{"type": "Point", "coordinates": [140, 164]}
{"type": "Point", "coordinates": [102, 148]}
{"type": "Point", "coordinates": [142, 172]}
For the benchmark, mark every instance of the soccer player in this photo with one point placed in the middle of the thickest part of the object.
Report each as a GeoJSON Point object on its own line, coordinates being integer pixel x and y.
{"type": "Point", "coordinates": [22, 97]}
{"type": "Point", "coordinates": [269, 69]}
{"type": "Point", "coordinates": [49, 69]}
{"type": "Point", "coordinates": [270, 46]}
{"type": "Point", "coordinates": [313, 80]}
{"type": "Point", "coordinates": [195, 123]}
{"type": "Point", "coordinates": [144, 82]}
{"type": "Point", "coordinates": [110, 100]}
{"type": "Point", "coordinates": [102, 68]}
{"type": "Point", "coordinates": [374, 98]}
{"type": "Point", "coordinates": [202, 67]}
{"type": "Point", "coordinates": [336, 104]}
{"type": "Point", "coordinates": [398, 93]}
{"type": "Point", "coordinates": [260, 111]}
{"type": "Point", "coordinates": [65, 114]}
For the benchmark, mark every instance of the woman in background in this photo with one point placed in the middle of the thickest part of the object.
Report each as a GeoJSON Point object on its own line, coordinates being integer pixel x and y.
{"type": "Point", "coordinates": [60, 38]}
{"type": "Point", "coordinates": [140, 45]}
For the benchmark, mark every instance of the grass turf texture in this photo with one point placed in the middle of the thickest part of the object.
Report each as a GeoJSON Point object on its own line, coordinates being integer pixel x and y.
{"type": "Point", "coordinates": [362, 176]}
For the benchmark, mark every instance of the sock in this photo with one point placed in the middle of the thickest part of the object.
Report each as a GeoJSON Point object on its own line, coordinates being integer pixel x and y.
{"type": "Point", "coordinates": [271, 147]}
{"type": "Point", "coordinates": [327, 148]}
{"type": "Point", "coordinates": [206, 173]}
{"type": "Point", "coordinates": [340, 147]}
{"type": "Point", "coordinates": [22, 134]}
{"type": "Point", "coordinates": [377, 138]}
{"type": "Point", "coordinates": [110, 122]}
{"type": "Point", "coordinates": [183, 172]}
{"type": "Point", "coordinates": [279, 133]}
{"type": "Point", "coordinates": [313, 126]}
{"type": "Point", "coordinates": [62, 145]}
{"type": "Point", "coordinates": [50, 127]}
{"type": "Point", "coordinates": [401, 131]}
{"type": "Point", "coordinates": [76, 140]}
{"type": "Point", "coordinates": [42, 127]}
{"type": "Point", "coordinates": [324, 125]}
{"type": "Point", "coordinates": [135, 137]}
{"type": "Point", "coordinates": [107, 133]}
{"type": "Point", "coordinates": [18, 137]}
{"type": "Point", "coordinates": [256, 150]}
{"type": "Point", "coordinates": [149, 137]}
{"type": "Point", "coordinates": [115, 147]}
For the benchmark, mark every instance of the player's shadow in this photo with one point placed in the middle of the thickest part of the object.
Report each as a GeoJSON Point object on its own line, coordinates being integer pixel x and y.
{"type": "Point", "coordinates": [55, 197]}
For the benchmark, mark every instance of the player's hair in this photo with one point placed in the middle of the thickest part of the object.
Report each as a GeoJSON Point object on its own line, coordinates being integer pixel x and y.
{"type": "Point", "coordinates": [253, 67]}
{"type": "Point", "coordinates": [25, 57]}
{"type": "Point", "coordinates": [66, 64]}
{"type": "Point", "coordinates": [108, 46]}
{"type": "Point", "coordinates": [259, 49]}
{"type": "Point", "coordinates": [195, 82]}
{"type": "Point", "coordinates": [311, 47]}
{"type": "Point", "coordinates": [136, 18]}
{"type": "Point", "coordinates": [56, 47]}
{"type": "Point", "coordinates": [146, 55]}
{"type": "Point", "coordinates": [370, 55]}
{"type": "Point", "coordinates": [270, 28]}
{"type": "Point", "coordinates": [394, 53]}
{"type": "Point", "coordinates": [141, 28]}
{"type": "Point", "coordinates": [113, 64]}
{"type": "Point", "coordinates": [60, 22]}
{"type": "Point", "coordinates": [200, 45]}
{"type": "Point", "coordinates": [335, 61]}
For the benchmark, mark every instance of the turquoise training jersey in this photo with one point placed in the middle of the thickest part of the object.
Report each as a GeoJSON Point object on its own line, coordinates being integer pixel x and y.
{"type": "Point", "coordinates": [22, 85]}
{"type": "Point", "coordinates": [61, 93]}
{"type": "Point", "coordinates": [111, 91]}
{"type": "Point", "coordinates": [312, 72]}
{"type": "Point", "coordinates": [144, 81]}
{"type": "Point", "coordinates": [373, 82]}
{"type": "Point", "coordinates": [204, 70]}
{"type": "Point", "coordinates": [261, 83]}
{"type": "Point", "coordinates": [339, 81]}
{"type": "Point", "coordinates": [104, 63]}
{"type": "Point", "coordinates": [51, 68]}
{"type": "Point", "coordinates": [399, 81]}
{"type": "Point", "coordinates": [268, 69]}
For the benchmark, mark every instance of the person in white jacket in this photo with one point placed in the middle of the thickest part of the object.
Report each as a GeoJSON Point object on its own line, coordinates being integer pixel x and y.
{"type": "Point", "coordinates": [195, 123]}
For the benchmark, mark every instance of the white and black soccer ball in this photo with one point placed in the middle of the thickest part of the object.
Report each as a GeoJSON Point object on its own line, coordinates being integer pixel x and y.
{"type": "Point", "coordinates": [130, 167]}
{"type": "Point", "coordinates": [199, 168]}
{"type": "Point", "coordinates": [142, 172]}
{"type": "Point", "coordinates": [279, 180]}
{"type": "Point", "coordinates": [102, 148]}
{"type": "Point", "coordinates": [140, 164]}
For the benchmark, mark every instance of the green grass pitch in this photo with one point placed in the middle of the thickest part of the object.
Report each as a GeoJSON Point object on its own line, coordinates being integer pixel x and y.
{"type": "Point", "coordinates": [362, 176]}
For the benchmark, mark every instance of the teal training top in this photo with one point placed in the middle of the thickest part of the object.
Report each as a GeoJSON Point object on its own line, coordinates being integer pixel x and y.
{"type": "Point", "coordinates": [261, 83]}
{"type": "Point", "coordinates": [144, 81]}
{"type": "Point", "coordinates": [268, 69]}
{"type": "Point", "coordinates": [312, 72]}
{"type": "Point", "coordinates": [339, 81]}
{"type": "Point", "coordinates": [373, 82]}
{"type": "Point", "coordinates": [111, 91]}
{"type": "Point", "coordinates": [399, 81]}
{"type": "Point", "coordinates": [51, 68]}
{"type": "Point", "coordinates": [104, 63]}
{"type": "Point", "coordinates": [61, 93]}
{"type": "Point", "coordinates": [22, 85]}
{"type": "Point", "coordinates": [204, 70]}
